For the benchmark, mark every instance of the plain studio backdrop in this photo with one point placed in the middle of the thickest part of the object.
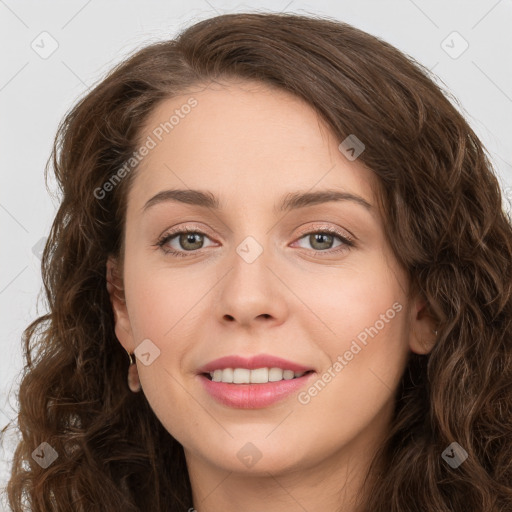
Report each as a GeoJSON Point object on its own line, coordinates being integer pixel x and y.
{"type": "Point", "coordinates": [53, 52]}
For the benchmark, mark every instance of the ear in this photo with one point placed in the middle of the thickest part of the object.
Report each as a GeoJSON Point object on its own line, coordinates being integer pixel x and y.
{"type": "Point", "coordinates": [115, 289]}
{"type": "Point", "coordinates": [423, 324]}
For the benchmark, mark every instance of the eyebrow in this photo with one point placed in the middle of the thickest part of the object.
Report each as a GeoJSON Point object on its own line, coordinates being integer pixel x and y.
{"type": "Point", "coordinates": [291, 201]}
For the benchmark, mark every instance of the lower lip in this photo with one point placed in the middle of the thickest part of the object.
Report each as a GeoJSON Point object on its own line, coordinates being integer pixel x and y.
{"type": "Point", "coordinates": [253, 396]}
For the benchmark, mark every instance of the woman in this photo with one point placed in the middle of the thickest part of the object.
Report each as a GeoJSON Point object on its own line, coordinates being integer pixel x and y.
{"type": "Point", "coordinates": [298, 241]}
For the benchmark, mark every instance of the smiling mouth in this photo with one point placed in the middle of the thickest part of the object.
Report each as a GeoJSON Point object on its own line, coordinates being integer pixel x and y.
{"type": "Point", "coordinates": [240, 392]}
{"type": "Point", "coordinates": [262, 379]}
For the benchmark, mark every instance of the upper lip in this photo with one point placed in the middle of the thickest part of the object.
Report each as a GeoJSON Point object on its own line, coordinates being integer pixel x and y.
{"type": "Point", "coordinates": [253, 362]}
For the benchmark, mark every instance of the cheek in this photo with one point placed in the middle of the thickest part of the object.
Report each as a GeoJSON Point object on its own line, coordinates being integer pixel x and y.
{"type": "Point", "coordinates": [161, 313]}
{"type": "Point", "coordinates": [364, 364]}
{"type": "Point", "coordinates": [157, 302]}
{"type": "Point", "coordinates": [363, 324]}
{"type": "Point", "coordinates": [352, 299]}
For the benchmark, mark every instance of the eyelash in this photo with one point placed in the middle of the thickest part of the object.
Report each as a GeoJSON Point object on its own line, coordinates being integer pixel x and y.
{"type": "Point", "coordinates": [347, 242]}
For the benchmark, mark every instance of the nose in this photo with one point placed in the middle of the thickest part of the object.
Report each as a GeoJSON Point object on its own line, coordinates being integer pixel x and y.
{"type": "Point", "coordinates": [252, 293]}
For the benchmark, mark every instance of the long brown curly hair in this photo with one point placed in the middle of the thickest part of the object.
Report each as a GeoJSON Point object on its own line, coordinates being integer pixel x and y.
{"type": "Point", "coordinates": [445, 223]}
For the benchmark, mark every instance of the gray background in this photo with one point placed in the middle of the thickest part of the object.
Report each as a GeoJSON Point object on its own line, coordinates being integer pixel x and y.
{"type": "Point", "coordinates": [36, 90]}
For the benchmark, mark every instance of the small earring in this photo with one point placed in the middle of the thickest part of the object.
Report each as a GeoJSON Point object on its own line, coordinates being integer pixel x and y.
{"type": "Point", "coordinates": [435, 332]}
{"type": "Point", "coordinates": [133, 375]}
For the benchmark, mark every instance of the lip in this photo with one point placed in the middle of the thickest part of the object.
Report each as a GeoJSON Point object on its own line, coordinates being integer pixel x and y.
{"type": "Point", "coordinates": [253, 396]}
{"type": "Point", "coordinates": [253, 362]}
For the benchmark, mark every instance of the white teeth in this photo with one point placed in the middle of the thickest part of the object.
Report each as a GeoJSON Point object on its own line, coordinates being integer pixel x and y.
{"type": "Point", "coordinates": [257, 376]}
{"type": "Point", "coordinates": [241, 376]}
{"type": "Point", "coordinates": [275, 374]}
{"type": "Point", "coordinates": [216, 375]}
{"type": "Point", "coordinates": [227, 375]}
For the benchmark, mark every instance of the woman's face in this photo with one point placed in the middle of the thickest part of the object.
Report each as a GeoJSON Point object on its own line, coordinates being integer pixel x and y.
{"type": "Point", "coordinates": [264, 273]}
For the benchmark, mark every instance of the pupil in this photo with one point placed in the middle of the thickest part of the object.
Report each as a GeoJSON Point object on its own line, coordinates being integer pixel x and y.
{"type": "Point", "coordinates": [317, 238]}
{"type": "Point", "coordinates": [190, 238]}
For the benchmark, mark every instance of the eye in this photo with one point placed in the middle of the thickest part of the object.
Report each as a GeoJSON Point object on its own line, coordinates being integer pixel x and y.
{"type": "Point", "coordinates": [189, 239]}
{"type": "Point", "coordinates": [322, 240]}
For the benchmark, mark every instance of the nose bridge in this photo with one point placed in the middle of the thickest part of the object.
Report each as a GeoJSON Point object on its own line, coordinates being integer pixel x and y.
{"type": "Point", "coordinates": [251, 248]}
{"type": "Point", "coordinates": [252, 235]}
{"type": "Point", "coordinates": [250, 259]}
{"type": "Point", "coordinates": [250, 289]}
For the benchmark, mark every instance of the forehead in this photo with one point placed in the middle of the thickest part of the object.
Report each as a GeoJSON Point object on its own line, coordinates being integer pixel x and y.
{"type": "Point", "coordinates": [243, 137]}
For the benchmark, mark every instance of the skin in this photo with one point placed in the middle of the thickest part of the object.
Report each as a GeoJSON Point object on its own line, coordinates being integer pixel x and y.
{"type": "Point", "coordinates": [250, 145]}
